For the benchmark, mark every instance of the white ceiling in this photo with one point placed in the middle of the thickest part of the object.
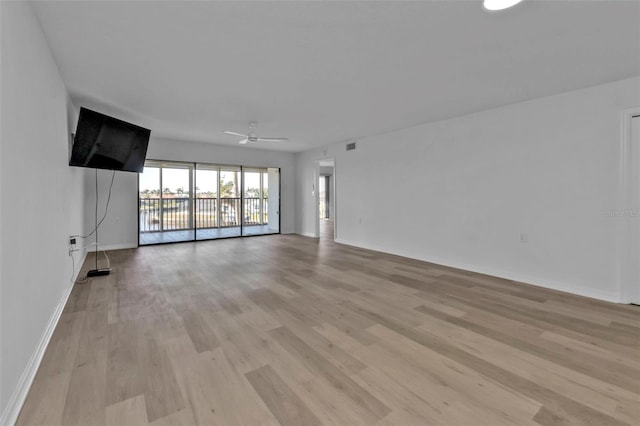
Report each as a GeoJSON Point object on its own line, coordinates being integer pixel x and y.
{"type": "Point", "coordinates": [320, 72]}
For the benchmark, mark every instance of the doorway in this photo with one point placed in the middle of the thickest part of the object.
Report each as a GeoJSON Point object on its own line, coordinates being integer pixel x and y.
{"type": "Point", "coordinates": [326, 224]}
{"type": "Point", "coordinates": [628, 216]}
{"type": "Point", "coordinates": [634, 213]}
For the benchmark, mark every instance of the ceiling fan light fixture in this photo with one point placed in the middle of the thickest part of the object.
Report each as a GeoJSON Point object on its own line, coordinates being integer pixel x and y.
{"type": "Point", "coordinates": [493, 5]}
{"type": "Point", "coordinates": [252, 136]}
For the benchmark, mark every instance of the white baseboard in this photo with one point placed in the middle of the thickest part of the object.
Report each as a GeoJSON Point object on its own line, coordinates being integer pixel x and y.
{"type": "Point", "coordinates": [12, 410]}
{"type": "Point", "coordinates": [112, 247]}
{"type": "Point", "coordinates": [509, 275]}
{"type": "Point", "coordinates": [307, 234]}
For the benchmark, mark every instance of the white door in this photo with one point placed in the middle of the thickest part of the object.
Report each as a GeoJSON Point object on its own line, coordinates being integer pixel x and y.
{"type": "Point", "coordinates": [634, 214]}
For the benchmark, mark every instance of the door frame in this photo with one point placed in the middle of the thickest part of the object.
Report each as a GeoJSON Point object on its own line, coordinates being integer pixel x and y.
{"type": "Point", "coordinates": [628, 225]}
{"type": "Point", "coordinates": [316, 197]}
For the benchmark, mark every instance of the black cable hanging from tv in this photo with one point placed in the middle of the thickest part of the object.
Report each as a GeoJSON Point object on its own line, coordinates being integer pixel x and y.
{"type": "Point", "coordinates": [97, 272]}
{"type": "Point", "coordinates": [104, 142]}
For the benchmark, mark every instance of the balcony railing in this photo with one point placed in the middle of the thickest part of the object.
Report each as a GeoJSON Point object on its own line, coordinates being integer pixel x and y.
{"type": "Point", "coordinates": [253, 209]}
{"type": "Point", "coordinates": [176, 213]}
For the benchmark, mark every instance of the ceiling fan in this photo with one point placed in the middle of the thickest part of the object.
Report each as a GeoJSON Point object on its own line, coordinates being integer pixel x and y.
{"type": "Point", "coordinates": [253, 137]}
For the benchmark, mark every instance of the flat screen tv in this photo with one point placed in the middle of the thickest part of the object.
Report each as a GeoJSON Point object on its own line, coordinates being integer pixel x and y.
{"type": "Point", "coordinates": [103, 142]}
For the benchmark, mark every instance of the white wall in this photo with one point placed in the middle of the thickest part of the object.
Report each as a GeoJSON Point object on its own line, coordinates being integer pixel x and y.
{"type": "Point", "coordinates": [460, 192]}
{"type": "Point", "coordinates": [120, 228]}
{"type": "Point", "coordinates": [41, 201]}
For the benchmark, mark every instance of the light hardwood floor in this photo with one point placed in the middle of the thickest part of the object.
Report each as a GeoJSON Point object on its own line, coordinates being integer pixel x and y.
{"type": "Point", "coordinates": [290, 330]}
{"type": "Point", "coordinates": [326, 229]}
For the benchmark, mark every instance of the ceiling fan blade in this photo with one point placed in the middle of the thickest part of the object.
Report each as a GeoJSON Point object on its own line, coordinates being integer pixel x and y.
{"type": "Point", "coordinates": [235, 134]}
{"type": "Point", "coordinates": [243, 141]}
{"type": "Point", "coordinates": [272, 139]}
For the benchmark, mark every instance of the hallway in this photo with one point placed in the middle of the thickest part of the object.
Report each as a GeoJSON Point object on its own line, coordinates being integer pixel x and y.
{"type": "Point", "coordinates": [327, 229]}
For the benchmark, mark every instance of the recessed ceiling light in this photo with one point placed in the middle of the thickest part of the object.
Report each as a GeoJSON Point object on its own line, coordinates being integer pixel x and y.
{"type": "Point", "coordinates": [499, 4]}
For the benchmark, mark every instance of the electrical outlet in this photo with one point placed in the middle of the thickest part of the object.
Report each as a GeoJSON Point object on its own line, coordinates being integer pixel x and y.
{"type": "Point", "coordinates": [524, 238]}
{"type": "Point", "coordinates": [72, 246]}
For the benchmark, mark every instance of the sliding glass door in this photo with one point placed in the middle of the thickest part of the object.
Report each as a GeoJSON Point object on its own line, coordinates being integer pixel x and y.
{"type": "Point", "coordinates": [165, 202]}
{"type": "Point", "coordinates": [253, 204]}
{"type": "Point", "coordinates": [261, 201]}
{"type": "Point", "coordinates": [199, 201]}
{"type": "Point", "coordinates": [217, 201]}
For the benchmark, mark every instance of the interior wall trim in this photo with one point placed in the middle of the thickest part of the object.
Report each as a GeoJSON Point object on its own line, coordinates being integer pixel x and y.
{"type": "Point", "coordinates": [628, 244]}
{"type": "Point", "coordinates": [14, 406]}
{"type": "Point", "coordinates": [494, 272]}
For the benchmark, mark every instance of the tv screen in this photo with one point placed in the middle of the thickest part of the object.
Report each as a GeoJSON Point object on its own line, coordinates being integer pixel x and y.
{"type": "Point", "coordinates": [103, 142]}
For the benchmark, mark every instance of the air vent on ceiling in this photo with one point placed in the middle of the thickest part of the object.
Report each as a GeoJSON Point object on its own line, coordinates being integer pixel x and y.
{"type": "Point", "coordinates": [351, 146]}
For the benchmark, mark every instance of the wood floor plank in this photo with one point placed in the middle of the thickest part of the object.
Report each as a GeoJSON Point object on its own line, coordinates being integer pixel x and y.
{"type": "Point", "coordinates": [341, 382]}
{"type": "Point", "coordinates": [624, 375]}
{"type": "Point", "coordinates": [285, 405]}
{"type": "Point", "coordinates": [131, 412]}
{"type": "Point", "coordinates": [584, 389]}
{"type": "Point", "coordinates": [46, 401]}
{"type": "Point", "coordinates": [407, 407]}
{"type": "Point", "coordinates": [61, 352]}
{"type": "Point", "coordinates": [202, 336]}
{"type": "Point", "coordinates": [581, 347]}
{"type": "Point", "coordinates": [333, 353]}
{"type": "Point", "coordinates": [197, 375]}
{"type": "Point", "coordinates": [183, 417]}
{"type": "Point", "coordinates": [469, 384]}
{"type": "Point", "coordinates": [291, 330]}
{"type": "Point", "coordinates": [124, 363]}
{"type": "Point", "coordinates": [86, 394]}
{"type": "Point", "coordinates": [161, 390]}
{"type": "Point", "coordinates": [544, 319]}
{"type": "Point", "coordinates": [569, 410]}
{"type": "Point", "coordinates": [78, 298]}
{"type": "Point", "coordinates": [526, 331]}
{"type": "Point", "coordinates": [441, 402]}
